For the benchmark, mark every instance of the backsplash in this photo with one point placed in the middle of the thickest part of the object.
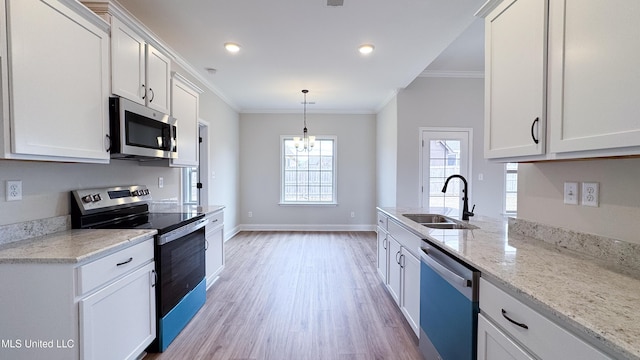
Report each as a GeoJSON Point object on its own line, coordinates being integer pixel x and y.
{"type": "Point", "coordinates": [616, 252]}
{"type": "Point", "coordinates": [29, 229]}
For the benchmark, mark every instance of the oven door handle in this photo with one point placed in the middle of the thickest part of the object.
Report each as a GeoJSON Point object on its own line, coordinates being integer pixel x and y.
{"type": "Point", "coordinates": [182, 231]}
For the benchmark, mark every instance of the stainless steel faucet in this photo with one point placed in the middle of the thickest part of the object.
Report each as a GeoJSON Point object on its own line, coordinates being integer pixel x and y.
{"type": "Point", "coordinates": [465, 200]}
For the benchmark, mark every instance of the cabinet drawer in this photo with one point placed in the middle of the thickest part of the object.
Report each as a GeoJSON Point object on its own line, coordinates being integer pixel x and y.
{"type": "Point", "coordinates": [215, 220]}
{"type": "Point", "coordinates": [382, 221]}
{"type": "Point", "coordinates": [112, 266]}
{"type": "Point", "coordinates": [405, 237]}
{"type": "Point", "coordinates": [543, 337]}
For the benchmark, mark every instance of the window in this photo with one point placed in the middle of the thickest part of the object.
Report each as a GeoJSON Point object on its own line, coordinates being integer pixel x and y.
{"type": "Point", "coordinates": [511, 188]}
{"type": "Point", "coordinates": [309, 177]}
{"type": "Point", "coordinates": [190, 186]}
{"type": "Point", "coordinates": [445, 152]}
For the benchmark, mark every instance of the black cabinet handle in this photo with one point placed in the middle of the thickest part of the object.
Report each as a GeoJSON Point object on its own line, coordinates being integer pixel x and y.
{"type": "Point", "coordinates": [144, 90]}
{"type": "Point", "coordinates": [206, 245]}
{"type": "Point", "coordinates": [522, 325]}
{"type": "Point", "coordinates": [533, 125]}
{"type": "Point", "coordinates": [397, 261]}
{"type": "Point", "coordinates": [108, 138]}
{"type": "Point", "coordinates": [125, 262]}
{"type": "Point", "coordinates": [401, 261]}
{"type": "Point", "coordinates": [155, 278]}
{"type": "Point", "coordinates": [384, 243]}
{"type": "Point", "coordinates": [153, 95]}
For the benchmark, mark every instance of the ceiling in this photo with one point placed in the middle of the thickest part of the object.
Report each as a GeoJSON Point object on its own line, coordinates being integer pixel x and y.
{"type": "Point", "coordinates": [290, 45]}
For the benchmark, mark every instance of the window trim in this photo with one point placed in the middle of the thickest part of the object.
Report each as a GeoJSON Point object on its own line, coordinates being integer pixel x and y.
{"type": "Point", "coordinates": [334, 201]}
{"type": "Point", "coordinates": [504, 193]}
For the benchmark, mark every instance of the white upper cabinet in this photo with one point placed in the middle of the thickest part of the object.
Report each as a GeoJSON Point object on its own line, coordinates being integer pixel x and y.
{"type": "Point", "coordinates": [594, 75]}
{"type": "Point", "coordinates": [140, 72]}
{"type": "Point", "coordinates": [185, 102]}
{"type": "Point", "coordinates": [591, 84]}
{"type": "Point", "coordinates": [515, 79]}
{"type": "Point", "coordinates": [54, 57]}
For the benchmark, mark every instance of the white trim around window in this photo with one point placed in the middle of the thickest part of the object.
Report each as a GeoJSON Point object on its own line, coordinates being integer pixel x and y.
{"type": "Point", "coordinates": [309, 178]}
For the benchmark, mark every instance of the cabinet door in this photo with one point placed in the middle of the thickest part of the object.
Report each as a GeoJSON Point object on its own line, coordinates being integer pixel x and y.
{"type": "Point", "coordinates": [59, 71]}
{"type": "Point", "coordinates": [118, 322]}
{"type": "Point", "coordinates": [214, 261]}
{"type": "Point", "coordinates": [515, 58]}
{"type": "Point", "coordinates": [184, 107]}
{"type": "Point", "coordinates": [127, 62]}
{"type": "Point", "coordinates": [493, 344]}
{"type": "Point", "coordinates": [394, 274]}
{"type": "Point", "coordinates": [158, 83]}
{"type": "Point", "coordinates": [594, 76]}
{"type": "Point", "coordinates": [383, 255]}
{"type": "Point", "coordinates": [411, 290]}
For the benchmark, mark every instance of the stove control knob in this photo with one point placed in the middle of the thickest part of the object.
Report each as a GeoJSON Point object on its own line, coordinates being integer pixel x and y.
{"type": "Point", "coordinates": [135, 193]}
{"type": "Point", "coordinates": [146, 191]}
{"type": "Point", "coordinates": [87, 199]}
{"type": "Point", "coordinates": [97, 197]}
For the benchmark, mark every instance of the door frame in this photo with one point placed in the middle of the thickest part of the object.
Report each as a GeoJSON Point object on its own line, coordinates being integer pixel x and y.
{"type": "Point", "coordinates": [421, 132]}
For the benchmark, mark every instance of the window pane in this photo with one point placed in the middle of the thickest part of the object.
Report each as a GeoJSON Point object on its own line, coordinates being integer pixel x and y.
{"type": "Point", "coordinates": [444, 161]}
{"type": "Point", "coordinates": [308, 176]}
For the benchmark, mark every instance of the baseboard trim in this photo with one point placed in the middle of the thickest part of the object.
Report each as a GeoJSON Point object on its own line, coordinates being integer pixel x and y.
{"type": "Point", "coordinates": [306, 227]}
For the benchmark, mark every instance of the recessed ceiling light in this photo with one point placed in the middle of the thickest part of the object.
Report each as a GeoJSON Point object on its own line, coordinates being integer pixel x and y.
{"type": "Point", "coordinates": [366, 49]}
{"type": "Point", "coordinates": [232, 47]}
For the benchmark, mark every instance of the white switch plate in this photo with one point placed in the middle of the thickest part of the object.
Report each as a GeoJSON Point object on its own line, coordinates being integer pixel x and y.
{"type": "Point", "coordinates": [160, 182]}
{"type": "Point", "coordinates": [590, 194]}
{"type": "Point", "coordinates": [571, 193]}
{"type": "Point", "coordinates": [14, 190]}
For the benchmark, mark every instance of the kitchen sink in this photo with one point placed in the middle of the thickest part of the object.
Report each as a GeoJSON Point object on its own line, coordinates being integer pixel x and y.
{"type": "Point", "coordinates": [437, 221]}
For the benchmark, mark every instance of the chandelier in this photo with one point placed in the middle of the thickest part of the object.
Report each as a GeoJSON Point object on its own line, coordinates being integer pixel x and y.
{"type": "Point", "coordinates": [306, 142]}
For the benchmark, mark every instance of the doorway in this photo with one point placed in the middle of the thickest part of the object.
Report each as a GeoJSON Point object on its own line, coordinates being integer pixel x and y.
{"type": "Point", "coordinates": [444, 152]}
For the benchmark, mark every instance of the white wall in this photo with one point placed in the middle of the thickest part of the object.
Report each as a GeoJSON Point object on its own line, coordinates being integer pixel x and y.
{"type": "Point", "coordinates": [260, 171]}
{"type": "Point", "coordinates": [387, 153]}
{"type": "Point", "coordinates": [46, 185]}
{"type": "Point", "coordinates": [445, 102]}
{"type": "Point", "coordinates": [540, 196]}
{"type": "Point", "coordinates": [223, 158]}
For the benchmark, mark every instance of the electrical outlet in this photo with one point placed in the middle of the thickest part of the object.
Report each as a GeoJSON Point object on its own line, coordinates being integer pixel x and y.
{"type": "Point", "coordinates": [161, 182]}
{"type": "Point", "coordinates": [353, 214]}
{"type": "Point", "coordinates": [250, 214]}
{"type": "Point", "coordinates": [571, 193]}
{"type": "Point", "coordinates": [590, 193]}
{"type": "Point", "coordinates": [14, 190]}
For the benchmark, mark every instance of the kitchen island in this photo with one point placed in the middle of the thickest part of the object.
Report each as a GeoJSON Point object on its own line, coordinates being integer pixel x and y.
{"type": "Point", "coordinates": [595, 299]}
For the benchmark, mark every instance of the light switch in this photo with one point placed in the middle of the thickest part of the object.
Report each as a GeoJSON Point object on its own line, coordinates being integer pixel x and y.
{"type": "Point", "coordinates": [571, 193]}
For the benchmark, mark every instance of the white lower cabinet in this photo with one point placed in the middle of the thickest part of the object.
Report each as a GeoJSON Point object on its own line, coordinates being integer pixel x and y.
{"type": "Point", "coordinates": [507, 326]}
{"type": "Point", "coordinates": [400, 268]}
{"type": "Point", "coordinates": [214, 254]}
{"type": "Point", "coordinates": [118, 321]}
{"type": "Point", "coordinates": [104, 309]}
{"type": "Point", "coordinates": [382, 262]}
{"type": "Point", "coordinates": [493, 344]}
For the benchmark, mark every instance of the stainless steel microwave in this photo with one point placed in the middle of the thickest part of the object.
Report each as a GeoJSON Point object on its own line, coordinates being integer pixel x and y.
{"type": "Point", "coordinates": [138, 132]}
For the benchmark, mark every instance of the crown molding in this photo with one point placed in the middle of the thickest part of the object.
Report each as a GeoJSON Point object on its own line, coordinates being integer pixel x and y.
{"type": "Point", "coordinates": [452, 74]}
{"type": "Point", "coordinates": [487, 8]}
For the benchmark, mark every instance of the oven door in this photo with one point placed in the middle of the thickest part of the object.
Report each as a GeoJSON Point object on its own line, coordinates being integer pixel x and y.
{"type": "Point", "coordinates": [181, 267]}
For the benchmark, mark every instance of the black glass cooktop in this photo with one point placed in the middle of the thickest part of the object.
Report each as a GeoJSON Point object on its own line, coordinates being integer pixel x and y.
{"type": "Point", "coordinates": [163, 222]}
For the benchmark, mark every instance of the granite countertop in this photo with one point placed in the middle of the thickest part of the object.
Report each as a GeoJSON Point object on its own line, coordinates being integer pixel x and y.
{"type": "Point", "coordinates": [590, 296]}
{"type": "Point", "coordinates": [71, 246]}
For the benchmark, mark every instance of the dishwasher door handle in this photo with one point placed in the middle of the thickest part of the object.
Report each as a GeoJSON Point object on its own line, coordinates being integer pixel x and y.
{"type": "Point", "coordinates": [446, 273]}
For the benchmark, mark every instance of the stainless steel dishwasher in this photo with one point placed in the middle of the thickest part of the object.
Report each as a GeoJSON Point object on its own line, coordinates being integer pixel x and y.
{"type": "Point", "coordinates": [448, 306]}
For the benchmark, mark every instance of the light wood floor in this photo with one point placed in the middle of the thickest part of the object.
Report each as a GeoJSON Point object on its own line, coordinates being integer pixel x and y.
{"type": "Point", "coordinates": [297, 295]}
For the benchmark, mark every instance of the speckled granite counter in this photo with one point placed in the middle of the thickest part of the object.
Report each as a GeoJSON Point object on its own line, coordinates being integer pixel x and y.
{"type": "Point", "coordinates": [592, 297]}
{"type": "Point", "coordinates": [71, 246]}
{"type": "Point", "coordinates": [170, 207]}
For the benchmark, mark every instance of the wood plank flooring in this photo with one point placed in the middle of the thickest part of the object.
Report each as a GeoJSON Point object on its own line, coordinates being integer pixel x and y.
{"type": "Point", "coordinates": [297, 295]}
